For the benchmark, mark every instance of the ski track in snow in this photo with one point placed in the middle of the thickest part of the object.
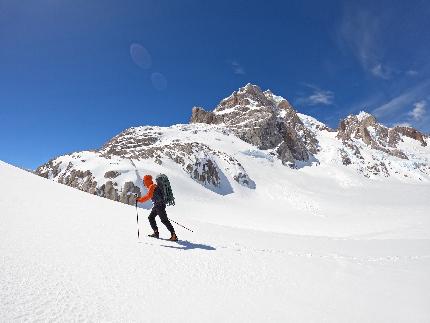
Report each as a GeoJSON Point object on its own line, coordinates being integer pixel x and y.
{"type": "Point", "coordinates": [76, 258]}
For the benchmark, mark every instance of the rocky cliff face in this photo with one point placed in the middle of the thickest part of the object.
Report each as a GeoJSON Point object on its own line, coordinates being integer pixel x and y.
{"type": "Point", "coordinates": [262, 119]}
{"type": "Point", "coordinates": [370, 144]}
{"type": "Point", "coordinates": [365, 127]}
{"type": "Point", "coordinates": [215, 147]}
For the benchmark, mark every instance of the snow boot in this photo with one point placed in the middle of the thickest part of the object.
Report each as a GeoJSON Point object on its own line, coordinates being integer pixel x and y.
{"type": "Point", "coordinates": [173, 237]}
{"type": "Point", "coordinates": [154, 235]}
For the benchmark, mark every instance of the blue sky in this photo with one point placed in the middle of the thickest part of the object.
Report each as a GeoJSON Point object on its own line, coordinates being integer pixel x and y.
{"type": "Point", "coordinates": [75, 73]}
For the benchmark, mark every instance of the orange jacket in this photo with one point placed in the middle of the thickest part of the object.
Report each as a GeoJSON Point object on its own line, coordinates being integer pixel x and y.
{"type": "Point", "coordinates": [147, 181]}
{"type": "Point", "coordinates": [148, 195]}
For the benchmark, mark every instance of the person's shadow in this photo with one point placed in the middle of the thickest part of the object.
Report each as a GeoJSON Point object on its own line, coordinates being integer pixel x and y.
{"type": "Point", "coordinates": [187, 245]}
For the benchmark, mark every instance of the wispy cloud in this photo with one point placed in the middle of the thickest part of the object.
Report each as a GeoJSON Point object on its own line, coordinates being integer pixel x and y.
{"type": "Point", "coordinates": [411, 72]}
{"type": "Point", "coordinates": [237, 68]}
{"type": "Point", "coordinates": [318, 96]}
{"type": "Point", "coordinates": [360, 31]}
{"type": "Point", "coordinates": [380, 71]}
{"type": "Point", "coordinates": [419, 110]}
{"type": "Point", "coordinates": [417, 117]}
{"type": "Point", "coordinates": [404, 100]}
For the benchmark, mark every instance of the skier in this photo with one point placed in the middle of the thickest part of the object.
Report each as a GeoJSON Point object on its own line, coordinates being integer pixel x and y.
{"type": "Point", "coordinates": [159, 208]}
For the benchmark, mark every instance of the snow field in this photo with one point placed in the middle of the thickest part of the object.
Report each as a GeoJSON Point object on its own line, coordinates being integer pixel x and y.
{"type": "Point", "coordinates": [68, 256]}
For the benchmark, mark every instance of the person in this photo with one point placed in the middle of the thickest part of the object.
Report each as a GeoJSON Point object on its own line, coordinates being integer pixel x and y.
{"type": "Point", "coordinates": [159, 208]}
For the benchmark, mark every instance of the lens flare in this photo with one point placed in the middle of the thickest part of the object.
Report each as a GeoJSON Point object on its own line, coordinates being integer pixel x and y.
{"type": "Point", "coordinates": [158, 81]}
{"type": "Point", "coordinates": [140, 56]}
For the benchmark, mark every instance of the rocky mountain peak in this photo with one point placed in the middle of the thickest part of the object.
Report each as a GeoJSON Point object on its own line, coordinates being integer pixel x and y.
{"type": "Point", "coordinates": [248, 95]}
{"type": "Point", "coordinates": [365, 116]}
{"type": "Point", "coordinates": [361, 132]}
{"type": "Point", "coordinates": [264, 120]}
{"type": "Point", "coordinates": [364, 126]}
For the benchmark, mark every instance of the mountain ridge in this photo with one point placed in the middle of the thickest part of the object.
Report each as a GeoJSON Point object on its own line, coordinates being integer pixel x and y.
{"type": "Point", "coordinates": [215, 148]}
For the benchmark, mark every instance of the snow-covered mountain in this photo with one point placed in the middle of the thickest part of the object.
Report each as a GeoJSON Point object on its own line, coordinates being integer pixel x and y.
{"type": "Point", "coordinates": [249, 133]}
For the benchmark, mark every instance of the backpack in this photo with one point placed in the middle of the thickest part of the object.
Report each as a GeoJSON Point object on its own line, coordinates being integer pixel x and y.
{"type": "Point", "coordinates": [164, 185]}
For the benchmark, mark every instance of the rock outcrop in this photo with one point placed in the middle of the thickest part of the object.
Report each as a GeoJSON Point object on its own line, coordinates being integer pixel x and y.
{"type": "Point", "coordinates": [86, 181]}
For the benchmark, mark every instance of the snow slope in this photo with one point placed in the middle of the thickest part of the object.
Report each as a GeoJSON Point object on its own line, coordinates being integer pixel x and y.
{"type": "Point", "coordinates": [70, 256]}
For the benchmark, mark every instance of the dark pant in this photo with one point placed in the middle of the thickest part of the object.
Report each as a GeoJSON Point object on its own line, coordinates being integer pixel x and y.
{"type": "Point", "coordinates": [160, 210]}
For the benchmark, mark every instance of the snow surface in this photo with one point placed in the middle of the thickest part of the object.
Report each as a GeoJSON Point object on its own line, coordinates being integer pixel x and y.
{"type": "Point", "coordinates": [307, 249]}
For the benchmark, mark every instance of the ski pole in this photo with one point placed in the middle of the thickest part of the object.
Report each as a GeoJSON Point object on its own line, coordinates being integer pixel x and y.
{"type": "Point", "coordinates": [137, 213]}
{"type": "Point", "coordinates": [181, 225]}
{"type": "Point", "coordinates": [137, 219]}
